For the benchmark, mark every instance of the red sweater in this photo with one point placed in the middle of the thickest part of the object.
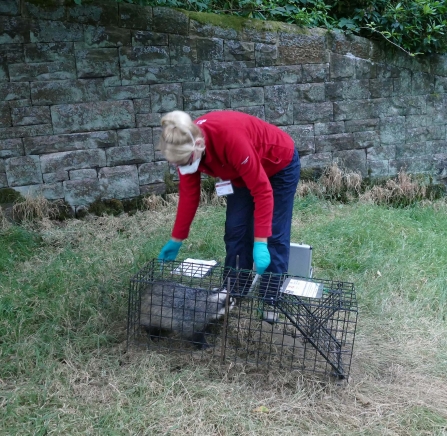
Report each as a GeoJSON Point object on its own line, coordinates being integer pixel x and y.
{"type": "Point", "coordinates": [243, 149]}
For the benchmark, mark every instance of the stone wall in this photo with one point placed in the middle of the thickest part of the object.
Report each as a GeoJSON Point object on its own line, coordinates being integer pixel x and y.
{"type": "Point", "coordinates": [82, 90]}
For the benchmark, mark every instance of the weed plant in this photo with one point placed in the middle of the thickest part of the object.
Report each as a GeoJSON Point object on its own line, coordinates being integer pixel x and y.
{"type": "Point", "coordinates": [65, 369]}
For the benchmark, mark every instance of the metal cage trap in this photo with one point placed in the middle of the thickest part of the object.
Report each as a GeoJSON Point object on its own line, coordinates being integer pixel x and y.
{"type": "Point", "coordinates": [235, 316]}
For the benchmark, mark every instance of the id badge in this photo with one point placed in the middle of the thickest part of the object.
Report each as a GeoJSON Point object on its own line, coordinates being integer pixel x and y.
{"type": "Point", "coordinates": [224, 188]}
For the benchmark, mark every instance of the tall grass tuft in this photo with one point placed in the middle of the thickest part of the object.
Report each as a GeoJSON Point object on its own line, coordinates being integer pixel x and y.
{"type": "Point", "coordinates": [338, 184]}
{"type": "Point", "coordinates": [35, 208]}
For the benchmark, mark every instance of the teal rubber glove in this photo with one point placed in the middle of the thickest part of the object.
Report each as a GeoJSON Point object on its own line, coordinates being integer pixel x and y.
{"type": "Point", "coordinates": [169, 251]}
{"type": "Point", "coordinates": [261, 256]}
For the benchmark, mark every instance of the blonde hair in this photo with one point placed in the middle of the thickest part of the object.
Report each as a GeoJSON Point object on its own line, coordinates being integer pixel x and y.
{"type": "Point", "coordinates": [176, 141]}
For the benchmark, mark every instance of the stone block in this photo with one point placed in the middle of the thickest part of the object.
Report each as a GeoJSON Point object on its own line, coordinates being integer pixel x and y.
{"type": "Point", "coordinates": [415, 165]}
{"type": "Point", "coordinates": [402, 84]}
{"type": "Point", "coordinates": [266, 76]}
{"type": "Point", "coordinates": [11, 148]}
{"type": "Point", "coordinates": [392, 130]}
{"type": "Point", "coordinates": [135, 17]}
{"type": "Point", "coordinates": [161, 74]}
{"type": "Point", "coordinates": [96, 12]}
{"type": "Point", "coordinates": [49, 52]}
{"type": "Point", "coordinates": [128, 137]}
{"type": "Point", "coordinates": [169, 20]}
{"type": "Point", "coordinates": [71, 142]}
{"type": "Point", "coordinates": [417, 134]}
{"type": "Point", "coordinates": [102, 37]}
{"type": "Point", "coordinates": [145, 37]}
{"type": "Point", "coordinates": [87, 173]}
{"type": "Point", "coordinates": [303, 136]}
{"type": "Point", "coordinates": [316, 161]}
{"type": "Point", "coordinates": [142, 105]}
{"type": "Point", "coordinates": [352, 160]}
{"type": "Point", "coordinates": [4, 73]}
{"type": "Point", "coordinates": [313, 113]}
{"type": "Point", "coordinates": [266, 54]}
{"type": "Point", "coordinates": [378, 168]}
{"type": "Point", "coordinates": [366, 139]}
{"type": "Point", "coordinates": [355, 110]}
{"type": "Point", "coordinates": [55, 31]}
{"type": "Point", "coordinates": [436, 147]}
{"type": "Point", "coordinates": [26, 131]}
{"type": "Point", "coordinates": [152, 172]}
{"type": "Point", "coordinates": [315, 73]}
{"type": "Point", "coordinates": [26, 116]}
{"type": "Point", "coordinates": [166, 97]}
{"type": "Point", "coordinates": [3, 180]}
{"type": "Point", "coordinates": [439, 65]}
{"type": "Point", "coordinates": [12, 53]}
{"type": "Point", "coordinates": [260, 31]}
{"type": "Point", "coordinates": [334, 91]}
{"type": "Point", "coordinates": [365, 69]}
{"type": "Point", "coordinates": [422, 84]}
{"type": "Point", "coordinates": [129, 155]}
{"type": "Point", "coordinates": [209, 30]}
{"type": "Point", "coordinates": [81, 192]}
{"type": "Point", "coordinates": [256, 111]}
{"type": "Point", "coordinates": [247, 97]}
{"type": "Point", "coordinates": [14, 30]}
{"type": "Point", "coordinates": [239, 51]}
{"type": "Point", "coordinates": [9, 7]}
{"type": "Point", "coordinates": [381, 153]}
{"type": "Point", "coordinates": [225, 74]}
{"type": "Point", "coordinates": [19, 103]}
{"type": "Point", "coordinates": [436, 109]}
{"type": "Point", "coordinates": [410, 149]}
{"type": "Point", "coordinates": [148, 120]}
{"type": "Point", "coordinates": [309, 92]}
{"type": "Point", "coordinates": [337, 142]}
{"type": "Point", "coordinates": [48, 10]}
{"type": "Point", "coordinates": [5, 115]}
{"type": "Point", "coordinates": [440, 85]}
{"type": "Point", "coordinates": [331, 128]}
{"type": "Point", "coordinates": [58, 176]}
{"type": "Point", "coordinates": [279, 105]}
{"type": "Point", "coordinates": [381, 88]}
{"type": "Point", "coordinates": [42, 71]}
{"type": "Point", "coordinates": [341, 67]}
{"type": "Point", "coordinates": [294, 49]}
{"type": "Point", "coordinates": [143, 56]}
{"type": "Point", "coordinates": [53, 191]}
{"type": "Point", "coordinates": [23, 170]}
{"type": "Point", "coordinates": [127, 92]}
{"type": "Point", "coordinates": [209, 49]}
{"type": "Point", "coordinates": [155, 188]}
{"type": "Point", "coordinates": [97, 62]}
{"type": "Point", "coordinates": [206, 100]}
{"type": "Point", "coordinates": [72, 160]}
{"type": "Point", "coordinates": [119, 182]}
{"type": "Point", "coordinates": [71, 118]}
{"type": "Point", "coordinates": [67, 91]}
{"type": "Point", "coordinates": [360, 47]}
{"type": "Point", "coordinates": [356, 90]}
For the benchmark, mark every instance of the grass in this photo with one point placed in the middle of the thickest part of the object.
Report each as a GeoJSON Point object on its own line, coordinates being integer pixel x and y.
{"type": "Point", "coordinates": [64, 367]}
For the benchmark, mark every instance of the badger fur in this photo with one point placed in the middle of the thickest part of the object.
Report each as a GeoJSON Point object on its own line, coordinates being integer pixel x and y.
{"type": "Point", "coordinates": [182, 310]}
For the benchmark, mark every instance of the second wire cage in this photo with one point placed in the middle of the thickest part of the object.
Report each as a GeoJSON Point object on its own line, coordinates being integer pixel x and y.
{"type": "Point", "coordinates": [235, 316]}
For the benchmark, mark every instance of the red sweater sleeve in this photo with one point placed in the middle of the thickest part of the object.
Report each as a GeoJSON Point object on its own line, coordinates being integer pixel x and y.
{"type": "Point", "coordinates": [189, 198]}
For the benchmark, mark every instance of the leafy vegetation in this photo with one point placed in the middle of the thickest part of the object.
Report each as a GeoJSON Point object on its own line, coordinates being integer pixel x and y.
{"type": "Point", "coordinates": [415, 26]}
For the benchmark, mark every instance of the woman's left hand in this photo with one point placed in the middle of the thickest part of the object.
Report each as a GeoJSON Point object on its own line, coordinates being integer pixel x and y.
{"type": "Point", "coordinates": [261, 256]}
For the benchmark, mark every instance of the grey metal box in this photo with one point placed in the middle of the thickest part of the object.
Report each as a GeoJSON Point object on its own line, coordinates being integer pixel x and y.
{"type": "Point", "coordinates": [300, 260]}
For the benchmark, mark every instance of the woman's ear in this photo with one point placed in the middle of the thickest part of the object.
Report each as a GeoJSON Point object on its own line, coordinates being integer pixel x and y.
{"type": "Point", "coordinates": [200, 143]}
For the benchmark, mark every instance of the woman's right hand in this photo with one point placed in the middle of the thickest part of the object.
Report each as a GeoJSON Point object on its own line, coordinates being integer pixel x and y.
{"type": "Point", "coordinates": [170, 250]}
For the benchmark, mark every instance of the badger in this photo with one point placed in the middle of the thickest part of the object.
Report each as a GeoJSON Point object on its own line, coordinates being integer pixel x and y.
{"type": "Point", "coordinates": [170, 307]}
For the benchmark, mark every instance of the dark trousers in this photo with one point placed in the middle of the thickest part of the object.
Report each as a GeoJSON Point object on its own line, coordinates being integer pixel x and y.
{"type": "Point", "coordinates": [239, 231]}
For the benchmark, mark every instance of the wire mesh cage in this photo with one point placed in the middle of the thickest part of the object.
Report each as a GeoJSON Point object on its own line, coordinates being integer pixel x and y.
{"type": "Point", "coordinates": [236, 316]}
